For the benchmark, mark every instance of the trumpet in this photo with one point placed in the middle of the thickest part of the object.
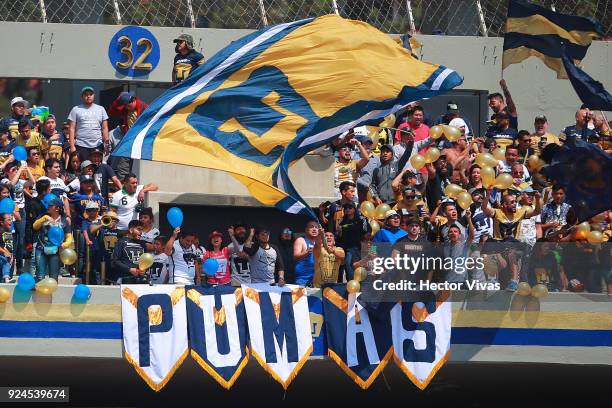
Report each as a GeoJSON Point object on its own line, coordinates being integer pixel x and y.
{"type": "Point", "coordinates": [106, 220]}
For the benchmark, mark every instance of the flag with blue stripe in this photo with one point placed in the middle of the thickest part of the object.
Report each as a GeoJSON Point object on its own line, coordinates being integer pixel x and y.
{"type": "Point", "coordinates": [266, 100]}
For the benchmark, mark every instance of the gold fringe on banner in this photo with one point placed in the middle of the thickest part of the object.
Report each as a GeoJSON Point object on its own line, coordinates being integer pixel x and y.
{"type": "Point", "coordinates": [422, 384]}
{"type": "Point", "coordinates": [363, 384]}
{"type": "Point", "coordinates": [294, 372]}
{"type": "Point", "coordinates": [227, 384]}
{"type": "Point", "coordinates": [156, 387]}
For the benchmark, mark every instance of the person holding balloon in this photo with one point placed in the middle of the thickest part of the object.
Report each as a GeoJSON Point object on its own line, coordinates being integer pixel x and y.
{"type": "Point", "coordinates": [221, 254]}
{"type": "Point", "coordinates": [53, 234]}
{"type": "Point", "coordinates": [127, 254]}
{"type": "Point", "coordinates": [6, 246]}
{"type": "Point", "coordinates": [6, 143]}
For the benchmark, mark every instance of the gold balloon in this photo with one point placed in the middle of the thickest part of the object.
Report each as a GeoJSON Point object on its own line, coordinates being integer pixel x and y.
{"type": "Point", "coordinates": [432, 154]}
{"type": "Point", "coordinates": [534, 162]}
{"type": "Point", "coordinates": [50, 283]}
{"type": "Point", "coordinates": [486, 159]}
{"type": "Point", "coordinates": [367, 208]}
{"type": "Point", "coordinates": [487, 174]}
{"type": "Point", "coordinates": [452, 133]}
{"type": "Point", "coordinates": [452, 190]}
{"type": "Point", "coordinates": [435, 132]}
{"type": "Point", "coordinates": [4, 295]}
{"type": "Point", "coordinates": [360, 274]}
{"type": "Point", "coordinates": [584, 227]}
{"type": "Point", "coordinates": [504, 181]}
{"type": "Point", "coordinates": [145, 261]}
{"type": "Point", "coordinates": [523, 289]}
{"type": "Point", "coordinates": [381, 210]}
{"type": "Point", "coordinates": [353, 286]}
{"type": "Point", "coordinates": [68, 256]}
{"type": "Point", "coordinates": [42, 289]}
{"type": "Point", "coordinates": [595, 237]}
{"type": "Point", "coordinates": [499, 153]}
{"type": "Point", "coordinates": [539, 291]}
{"type": "Point", "coordinates": [375, 226]}
{"type": "Point", "coordinates": [464, 199]}
{"type": "Point", "coordinates": [417, 161]}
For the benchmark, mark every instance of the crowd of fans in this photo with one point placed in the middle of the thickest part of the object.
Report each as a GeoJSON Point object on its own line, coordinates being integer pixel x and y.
{"type": "Point", "coordinates": [386, 204]}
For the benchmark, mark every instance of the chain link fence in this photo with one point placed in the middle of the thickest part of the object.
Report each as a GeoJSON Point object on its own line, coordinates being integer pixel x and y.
{"type": "Point", "coordinates": [448, 17]}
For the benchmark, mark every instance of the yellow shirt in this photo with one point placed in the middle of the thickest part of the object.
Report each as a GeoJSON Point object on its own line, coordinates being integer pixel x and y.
{"type": "Point", "coordinates": [507, 226]}
{"type": "Point", "coordinates": [344, 172]}
{"type": "Point", "coordinates": [35, 140]}
{"type": "Point", "coordinates": [326, 266]}
{"type": "Point", "coordinates": [549, 137]}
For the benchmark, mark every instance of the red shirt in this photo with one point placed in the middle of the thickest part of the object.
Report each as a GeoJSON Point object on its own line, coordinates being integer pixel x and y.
{"type": "Point", "coordinates": [222, 277]}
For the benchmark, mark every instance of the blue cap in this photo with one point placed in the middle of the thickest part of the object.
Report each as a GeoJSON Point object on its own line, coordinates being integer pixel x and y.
{"type": "Point", "coordinates": [528, 189]}
{"type": "Point", "coordinates": [126, 97]}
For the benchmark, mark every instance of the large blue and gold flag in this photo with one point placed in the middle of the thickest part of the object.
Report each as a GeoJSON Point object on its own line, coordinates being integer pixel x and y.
{"type": "Point", "coordinates": [537, 31]}
{"type": "Point", "coordinates": [269, 98]}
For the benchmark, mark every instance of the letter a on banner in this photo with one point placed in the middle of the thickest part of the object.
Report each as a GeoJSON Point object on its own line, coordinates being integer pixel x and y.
{"type": "Point", "coordinates": [421, 337]}
{"type": "Point", "coordinates": [154, 330]}
{"type": "Point", "coordinates": [279, 328]}
{"type": "Point", "coordinates": [358, 343]}
{"type": "Point", "coordinates": [218, 331]}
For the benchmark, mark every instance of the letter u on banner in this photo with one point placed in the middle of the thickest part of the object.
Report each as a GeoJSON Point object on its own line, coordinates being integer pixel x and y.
{"type": "Point", "coordinates": [421, 337]}
{"type": "Point", "coordinates": [218, 331]}
{"type": "Point", "coordinates": [279, 328]}
{"type": "Point", "coordinates": [154, 318]}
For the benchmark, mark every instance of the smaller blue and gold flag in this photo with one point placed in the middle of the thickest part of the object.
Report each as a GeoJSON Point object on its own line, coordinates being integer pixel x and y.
{"type": "Point", "coordinates": [536, 31]}
{"type": "Point", "coordinates": [266, 100]}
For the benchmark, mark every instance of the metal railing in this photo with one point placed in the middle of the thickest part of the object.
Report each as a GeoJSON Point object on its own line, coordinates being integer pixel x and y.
{"type": "Point", "coordinates": [449, 17]}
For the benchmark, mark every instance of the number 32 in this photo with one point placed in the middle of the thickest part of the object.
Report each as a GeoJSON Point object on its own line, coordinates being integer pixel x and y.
{"type": "Point", "coordinates": [140, 63]}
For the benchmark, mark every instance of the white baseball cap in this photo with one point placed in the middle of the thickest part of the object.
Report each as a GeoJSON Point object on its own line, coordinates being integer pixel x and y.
{"type": "Point", "coordinates": [18, 99]}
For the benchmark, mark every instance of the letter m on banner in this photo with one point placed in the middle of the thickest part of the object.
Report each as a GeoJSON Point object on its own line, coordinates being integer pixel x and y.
{"type": "Point", "coordinates": [154, 318]}
{"type": "Point", "coordinates": [279, 328]}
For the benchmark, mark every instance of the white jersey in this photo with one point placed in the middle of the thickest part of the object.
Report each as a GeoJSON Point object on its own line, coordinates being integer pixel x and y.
{"type": "Point", "coordinates": [182, 264]}
{"type": "Point", "coordinates": [150, 236]}
{"type": "Point", "coordinates": [159, 269]}
{"type": "Point", "coordinates": [56, 184]}
{"type": "Point", "coordinates": [126, 204]}
{"type": "Point", "coordinates": [240, 267]}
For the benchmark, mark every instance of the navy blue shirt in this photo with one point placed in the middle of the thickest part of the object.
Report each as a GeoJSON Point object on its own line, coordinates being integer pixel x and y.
{"type": "Point", "coordinates": [503, 137]}
{"type": "Point", "coordinates": [580, 134]}
{"type": "Point", "coordinates": [5, 151]}
{"type": "Point", "coordinates": [185, 64]}
{"type": "Point", "coordinates": [80, 200]}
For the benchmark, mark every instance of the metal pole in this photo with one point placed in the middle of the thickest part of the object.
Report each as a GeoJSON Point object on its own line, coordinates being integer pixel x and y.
{"type": "Point", "coordinates": [117, 12]}
{"type": "Point", "coordinates": [262, 10]}
{"type": "Point", "coordinates": [483, 25]}
{"type": "Point", "coordinates": [410, 17]}
{"type": "Point", "coordinates": [103, 272]}
{"type": "Point", "coordinates": [335, 4]}
{"type": "Point", "coordinates": [191, 15]}
{"type": "Point", "coordinates": [87, 265]}
{"type": "Point", "coordinates": [43, 10]}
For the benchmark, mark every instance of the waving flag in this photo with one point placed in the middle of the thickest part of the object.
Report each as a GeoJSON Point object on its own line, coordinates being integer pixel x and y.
{"type": "Point", "coordinates": [537, 31]}
{"type": "Point", "coordinates": [269, 98]}
{"type": "Point", "coordinates": [590, 91]}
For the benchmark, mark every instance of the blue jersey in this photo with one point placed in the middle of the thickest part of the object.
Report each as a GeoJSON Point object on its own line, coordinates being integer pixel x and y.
{"type": "Point", "coordinates": [79, 201]}
{"type": "Point", "coordinates": [304, 268]}
{"type": "Point", "coordinates": [185, 64]}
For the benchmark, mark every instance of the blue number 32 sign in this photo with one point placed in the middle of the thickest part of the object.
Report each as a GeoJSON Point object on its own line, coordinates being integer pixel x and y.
{"type": "Point", "coordinates": [133, 51]}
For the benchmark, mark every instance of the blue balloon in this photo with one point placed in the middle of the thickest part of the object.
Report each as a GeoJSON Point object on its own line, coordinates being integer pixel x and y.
{"type": "Point", "coordinates": [82, 292]}
{"type": "Point", "coordinates": [19, 153]}
{"type": "Point", "coordinates": [56, 235]}
{"type": "Point", "coordinates": [210, 266]}
{"type": "Point", "coordinates": [175, 217]}
{"type": "Point", "coordinates": [25, 281]}
{"type": "Point", "coordinates": [7, 206]}
{"type": "Point", "coordinates": [47, 199]}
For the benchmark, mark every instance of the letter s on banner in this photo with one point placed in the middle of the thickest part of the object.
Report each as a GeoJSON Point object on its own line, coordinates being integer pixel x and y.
{"type": "Point", "coordinates": [421, 338]}
{"type": "Point", "coordinates": [154, 317]}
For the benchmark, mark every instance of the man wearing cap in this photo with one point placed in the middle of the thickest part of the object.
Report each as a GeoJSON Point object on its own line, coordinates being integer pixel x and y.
{"type": "Point", "coordinates": [103, 174]}
{"type": "Point", "coordinates": [88, 125]}
{"type": "Point", "coordinates": [364, 177]}
{"type": "Point", "coordinates": [85, 196]}
{"type": "Point", "coordinates": [6, 143]}
{"type": "Point", "coordinates": [391, 231]}
{"type": "Point", "coordinates": [128, 107]}
{"type": "Point", "coordinates": [52, 138]}
{"type": "Point", "coordinates": [438, 178]}
{"type": "Point", "coordinates": [18, 113]}
{"type": "Point", "coordinates": [503, 134]}
{"type": "Point", "coordinates": [109, 235]}
{"type": "Point", "coordinates": [186, 59]}
{"type": "Point", "coordinates": [346, 168]}
{"type": "Point", "coordinates": [541, 137]}
{"type": "Point", "coordinates": [264, 258]}
{"type": "Point", "coordinates": [382, 177]}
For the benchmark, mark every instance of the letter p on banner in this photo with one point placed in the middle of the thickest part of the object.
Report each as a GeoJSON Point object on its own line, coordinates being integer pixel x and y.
{"type": "Point", "coordinates": [154, 318]}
